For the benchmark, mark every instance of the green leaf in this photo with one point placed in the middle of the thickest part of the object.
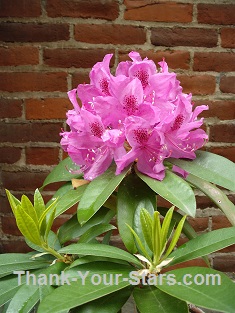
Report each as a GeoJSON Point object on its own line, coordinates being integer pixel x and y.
{"type": "Point", "coordinates": [157, 238]}
{"type": "Point", "coordinates": [204, 244]}
{"type": "Point", "coordinates": [60, 192]}
{"type": "Point", "coordinates": [175, 237]}
{"type": "Point", "coordinates": [69, 199]}
{"type": "Point", "coordinates": [150, 299]}
{"type": "Point", "coordinates": [201, 286]}
{"type": "Point", "coordinates": [49, 223]}
{"type": "Point", "coordinates": [216, 195]}
{"type": "Point", "coordinates": [85, 291]}
{"type": "Point", "coordinates": [8, 287]}
{"type": "Point", "coordinates": [62, 172]}
{"type": "Point", "coordinates": [11, 262]}
{"type": "Point", "coordinates": [165, 227]}
{"type": "Point", "coordinates": [28, 207]}
{"type": "Point", "coordinates": [97, 192]}
{"type": "Point", "coordinates": [72, 229]}
{"type": "Point", "coordinates": [52, 241]}
{"type": "Point", "coordinates": [133, 195]}
{"type": "Point", "coordinates": [211, 167]}
{"type": "Point", "coordinates": [95, 231]}
{"type": "Point", "coordinates": [39, 204]}
{"type": "Point", "coordinates": [174, 189]}
{"type": "Point", "coordinates": [107, 304]}
{"type": "Point", "coordinates": [100, 250]}
{"type": "Point", "coordinates": [24, 299]}
{"type": "Point", "coordinates": [13, 201]}
{"type": "Point", "coordinates": [147, 226]}
{"type": "Point", "coordinates": [27, 226]}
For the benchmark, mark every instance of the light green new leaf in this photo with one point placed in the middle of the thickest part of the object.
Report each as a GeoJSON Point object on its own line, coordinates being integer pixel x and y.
{"type": "Point", "coordinates": [216, 195]}
{"type": "Point", "coordinates": [62, 172]}
{"type": "Point", "coordinates": [11, 262]}
{"type": "Point", "coordinates": [204, 244]}
{"type": "Point", "coordinates": [150, 299]}
{"type": "Point", "coordinates": [45, 214]}
{"type": "Point", "coordinates": [211, 167]}
{"type": "Point", "coordinates": [49, 223]}
{"type": "Point", "coordinates": [28, 207]}
{"type": "Point", "coordinates": [157, 237]}
{"type": "Point", "coordinates": [201, 286]}
{"type": "Point", "coordinates": [84, 291]}
{"type": "Point", "coordinates": [175, 237]}
{"type": "Point", "coordinates": [27, 226]}
{"type": "Point", "coordinates": [69, 199]}
{"type": "Point", "coordinates": [100, 250]}
{"type": "Point", "coordinates": [39, 204]}
{"type": "Point", "coordinates": [24, 299]}
{"type": "Point", "coordinates": [13, 201]}
{"type": "Point", "coordinates": [174, 189]}
{"type": "Point", "coordinates": [133, 196]}
{"type": "Point", "coordinates": [165, 227]}
{"type": "Point", "coordinates": [97, 192]}
{"type": "Point", "coordinates": [147, 227]}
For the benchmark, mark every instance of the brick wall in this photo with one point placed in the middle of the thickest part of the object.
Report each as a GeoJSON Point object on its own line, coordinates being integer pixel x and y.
{"type": "Point", "coordinates": [47, 47]}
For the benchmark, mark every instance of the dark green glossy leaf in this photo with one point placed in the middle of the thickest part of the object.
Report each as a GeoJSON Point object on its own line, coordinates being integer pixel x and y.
{"type": "Point", "coordinates": [24, 300]}
{"type": "Point", "coordinates": [151, 299]}
{"type": "Point", "coordinates": [100, 250]}
{"type": "Point", "coordinates": [84, 291]}
{"type": "Point", "coordinates": [10, 262]}
{"type": "Point", "coordinates": [216, 195]}
{"type": "Point", "coordinates": [69, 199]}
{"type": "Point", "coordinates": [62, 172]}
{"type": "Point", "coordinates": [95, 231]}
{"type": "Point", "coordinates": [97, 192]}
{"type": "Point", "coordinates": [201, 286]}
{"type": "Point", "coordinates": [211, 167]}
{"type": "Point", "coordinates": [204, 244]}
{"type": "Point", "coordinates": [133, 195]}
{"type": "Point", "coordinates": [8, 287]}
{"type": "Point", "coordinates": [174, 189]}
{"type": "Point", "coordinates": [72, 229]}
{"type": "Point", "coordinates": [107, 304]}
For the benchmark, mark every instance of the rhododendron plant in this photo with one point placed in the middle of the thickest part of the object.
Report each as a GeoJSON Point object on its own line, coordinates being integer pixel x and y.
{"type": "Point", "coordinates": [140, 114]}
{"type": "Point", "coordinates": [133, 138]}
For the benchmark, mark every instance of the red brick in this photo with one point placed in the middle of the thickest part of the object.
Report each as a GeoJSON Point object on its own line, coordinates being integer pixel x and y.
{"type": "Point", "coordinates": [33, 81]}
{"type": "Point", "coordinates": [179, 36]}
{"type": "Point", "coordinates": [108, 10]}
{"type": "Point", "coordinates": [198, 84]}
{"type": "Point", "coordinates": [14, 246]}
{"type": "Point", "coordinates": [227, 152]}
{"type": "Point", "coordinates": [23, 181]}
{"type": "Point", "coordinates": [33, 32]}
{"type": "Point", "coordinates": [107, 33]}
{"type": "Point", "coordinates": [227, 37]}
{"type": "Point", "coordinates": [9, 226]}
{"type": "Point", "coordinates": [227, 84]}
{"type": "Point", "coordinates": [199, 224]}
{"type": "Point", "coordinates": [80, 78]}
{"type": "Point", "coordinates": [46, 109]}
{"type": "Point", "coordinates": [214, 61]}
{"type": "Point", "coordinates": [222, 133]}
{"type": "Point", "coordinates": [158, 12]}
{"type": "Point", "coordinates": [18, 56]}
{"type": "Point", "coordinates": [225, 263]}
{"type": "Point", "coordinates": [42, 156]}
{"type": "Point", "coordinates": [204, 202]}
{"type": "Point", "coordinates": [174, 58]}
{"type": "Point", "coordinates": [23, 8]}
{"type": "Point", "coordinates": [4, 204]}
{"type": "Point", "coordinates": [220, 222]}
{"type": "Point", "coordinates": [216, 13]}
{"type": "Point", "coordinates": [223, 109]}
{"type": "Point", "coordinates": [16, 132]}
{"type": "Point", "coordinates": [10, 108]}
{"type": "Point", "coordinates": [79, 58]}
{"type": "Point", "coordinates": [9, 155]}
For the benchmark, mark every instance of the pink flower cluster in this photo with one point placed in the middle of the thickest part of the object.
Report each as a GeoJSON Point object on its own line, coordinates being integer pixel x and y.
{"type": "Point", "coordinates": [139, 114]}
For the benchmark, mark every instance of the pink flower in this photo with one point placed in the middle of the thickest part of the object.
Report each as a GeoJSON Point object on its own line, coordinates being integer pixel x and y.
{"type": "Point", "coordinates": [137, 115]}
